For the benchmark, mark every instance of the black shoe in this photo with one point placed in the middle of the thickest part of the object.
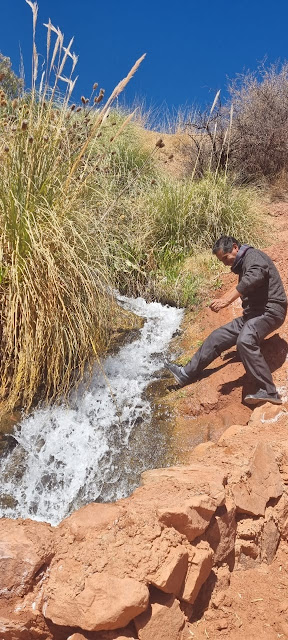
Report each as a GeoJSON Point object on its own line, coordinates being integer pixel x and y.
{"type": "Point", "coordinates": [262, 396]}
{"type": "Point", "coordinates": [178, 373]}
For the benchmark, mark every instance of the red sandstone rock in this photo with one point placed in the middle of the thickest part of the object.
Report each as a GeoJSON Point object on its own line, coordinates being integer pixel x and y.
{"type": "Point", "coordinates": [270, 540]}
{"type": "Point", "coordinates": [93, 517]}
{"type": "Point", "coordinates": [102, 602]}
{"type": "Point", "coordinates": [161, 620]}
{"type": "Point", "coordinates": [121, 634]}
{"type": "Point", "coordinates": [196, 476]}
{"type": "Point", "coordinates": [267, 413]}
{"type": "Point", "coordinates": [24, 547]}
{"type": "Point", "coordinates": [200, 565]}
{"type": "Point", "coordinates": [228, 437]}
{"type": "Point", "coordinates": [221, 533]}
{"type": "Point", "coordinates": [280, 514]}
{"type": "Point", "coordinates": [248, 542]}
{"type": "Point", "coordinates": [191, 517]}
{"type": "Point", "coordinates": [171, 574]}
{"type": "Point", "coordinates": [20, 618]}
{"type": "Point", "coordinates": [136, 546]}
{"type": "Point", "coordinates": [262, 482]}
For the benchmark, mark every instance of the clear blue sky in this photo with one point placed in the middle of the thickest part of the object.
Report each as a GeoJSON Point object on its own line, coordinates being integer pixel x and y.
{"type": "Point", "coordinates": [191, 47]}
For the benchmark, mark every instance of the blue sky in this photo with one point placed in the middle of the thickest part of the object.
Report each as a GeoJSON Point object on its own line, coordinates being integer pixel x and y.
{"type": "Point", "coordinates": [191, 48]}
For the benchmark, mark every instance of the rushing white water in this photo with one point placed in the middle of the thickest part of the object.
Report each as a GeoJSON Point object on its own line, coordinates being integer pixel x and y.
{"type": "Point", "coordinates": [96, 448]}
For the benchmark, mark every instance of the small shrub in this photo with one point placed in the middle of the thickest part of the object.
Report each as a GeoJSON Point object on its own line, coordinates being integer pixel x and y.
{"type": "Point", "coordinates": [260, 123]}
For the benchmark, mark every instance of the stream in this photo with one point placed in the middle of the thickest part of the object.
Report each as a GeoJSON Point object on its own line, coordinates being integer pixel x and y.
{"type": "Point", "coordinates": [96, 448]}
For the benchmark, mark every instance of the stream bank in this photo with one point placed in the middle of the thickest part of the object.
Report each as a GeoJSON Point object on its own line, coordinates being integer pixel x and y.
{"type": "Point", "coordinates": [96, 448]}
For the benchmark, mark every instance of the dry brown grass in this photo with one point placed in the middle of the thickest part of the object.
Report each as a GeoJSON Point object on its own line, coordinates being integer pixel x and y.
{"type": "Point", "coordinates": [56, 311]}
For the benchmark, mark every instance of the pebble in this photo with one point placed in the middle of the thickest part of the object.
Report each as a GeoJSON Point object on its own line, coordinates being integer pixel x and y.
{"type": "Point", "coordinates": [222, 624]}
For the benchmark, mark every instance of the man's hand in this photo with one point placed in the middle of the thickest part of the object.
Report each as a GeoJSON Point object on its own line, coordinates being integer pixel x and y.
{"type": "Point", "coordinates": [221, 303]}
{"type": "Point", "coordinates": [218, 304]}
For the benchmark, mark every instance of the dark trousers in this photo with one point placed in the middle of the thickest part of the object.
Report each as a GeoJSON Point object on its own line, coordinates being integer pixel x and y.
{"type": "Point", "coordinates": [247, 335]}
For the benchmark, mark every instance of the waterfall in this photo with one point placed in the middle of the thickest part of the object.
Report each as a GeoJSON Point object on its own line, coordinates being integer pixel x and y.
{"type": "Point", "coordinates": [96, 448]}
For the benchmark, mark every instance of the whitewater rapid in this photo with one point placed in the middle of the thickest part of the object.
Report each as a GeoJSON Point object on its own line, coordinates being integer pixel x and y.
{"type": "Point", "coordinates": [95, 449]}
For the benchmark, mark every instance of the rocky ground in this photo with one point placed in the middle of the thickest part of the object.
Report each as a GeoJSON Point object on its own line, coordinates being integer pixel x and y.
{"type": "Point", "coordinates": [200, 550]}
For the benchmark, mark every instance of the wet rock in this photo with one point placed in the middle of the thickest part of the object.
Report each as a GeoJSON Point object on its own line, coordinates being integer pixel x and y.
{"type": "Point", "coordinates": [8, 422]}
{"type": "Point", "coordinates": [102, 602]}
{"type": "Point", "coordinates": [7, 444]}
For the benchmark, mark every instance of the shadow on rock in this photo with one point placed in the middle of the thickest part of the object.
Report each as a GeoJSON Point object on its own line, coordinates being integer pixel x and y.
{"type": "Point", "coordinates": [275, 350]}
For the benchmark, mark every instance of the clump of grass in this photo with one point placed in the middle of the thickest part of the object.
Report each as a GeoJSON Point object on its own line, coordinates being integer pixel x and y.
{"type": "Point", "coordinates": [194, 213]}
{"type": "Point", "coordinates": [174, 220]}
{"type": "Point", "coordinates": [56, 309]}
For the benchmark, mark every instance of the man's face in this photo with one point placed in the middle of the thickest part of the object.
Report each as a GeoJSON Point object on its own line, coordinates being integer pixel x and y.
{"type": "Point", "coordinates": [228, 258]}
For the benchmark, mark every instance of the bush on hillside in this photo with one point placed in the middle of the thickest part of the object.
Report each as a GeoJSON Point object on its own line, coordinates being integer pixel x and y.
{"type": "Point", "coordinates": [248, 134]}
{"type": "Point", "coordinates": [259, 138]}
{"type": "Point", "coordinates": [10, 83]}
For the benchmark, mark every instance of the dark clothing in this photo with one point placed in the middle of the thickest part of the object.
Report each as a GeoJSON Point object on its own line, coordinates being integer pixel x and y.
{"type": "Point", "coordinates": [247, 335]}
{"type": "Point", "coordinates": [264, 309]}
{"type": "Point", "coordinates": [260, 285]}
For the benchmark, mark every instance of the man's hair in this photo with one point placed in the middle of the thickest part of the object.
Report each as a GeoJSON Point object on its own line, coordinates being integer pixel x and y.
{"type": "Point", "coordinates": [225, 243]}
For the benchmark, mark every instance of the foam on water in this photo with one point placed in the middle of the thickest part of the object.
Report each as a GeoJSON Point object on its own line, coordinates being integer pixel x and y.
{"type": "Point", "coordinates": [97, 447]}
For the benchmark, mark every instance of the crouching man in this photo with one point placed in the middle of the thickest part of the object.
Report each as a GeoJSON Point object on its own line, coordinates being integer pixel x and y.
{"type": "Point", "coordinates": [264, 305]}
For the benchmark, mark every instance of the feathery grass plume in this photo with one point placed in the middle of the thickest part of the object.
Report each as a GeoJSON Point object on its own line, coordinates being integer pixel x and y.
{"type": "Point", "coordinates": [103, 114]}
{"type": "Point", "coordinates": [54, 279]}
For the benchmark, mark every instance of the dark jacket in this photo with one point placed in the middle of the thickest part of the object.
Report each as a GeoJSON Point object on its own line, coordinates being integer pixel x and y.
{"type": "Point", "coordinates": [260, 285]}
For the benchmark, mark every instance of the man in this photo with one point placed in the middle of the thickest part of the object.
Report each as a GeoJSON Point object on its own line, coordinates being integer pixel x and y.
{"type": "Point", "coordinates": [264, 305]}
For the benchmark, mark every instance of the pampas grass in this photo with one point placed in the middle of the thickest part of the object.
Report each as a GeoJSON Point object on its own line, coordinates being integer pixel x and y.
{"type": "Point", "coordinates": [55, 305]}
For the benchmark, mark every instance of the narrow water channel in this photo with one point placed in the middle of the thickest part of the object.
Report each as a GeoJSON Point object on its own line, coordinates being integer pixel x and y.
{"type": "Point", "coordinates": [95, 449]}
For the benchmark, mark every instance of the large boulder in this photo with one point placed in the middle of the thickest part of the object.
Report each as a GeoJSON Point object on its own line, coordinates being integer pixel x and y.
{"type": "Point", "coordinates": [25, 547]}
{"type": "Point", "coordinates": [133, 544]}
{"type": "Point", "coordinates": [100, 601]}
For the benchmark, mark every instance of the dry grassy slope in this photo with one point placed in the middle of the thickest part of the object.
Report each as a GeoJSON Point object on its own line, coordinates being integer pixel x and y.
{"type": "Point", "coordinates": [173, 158]}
